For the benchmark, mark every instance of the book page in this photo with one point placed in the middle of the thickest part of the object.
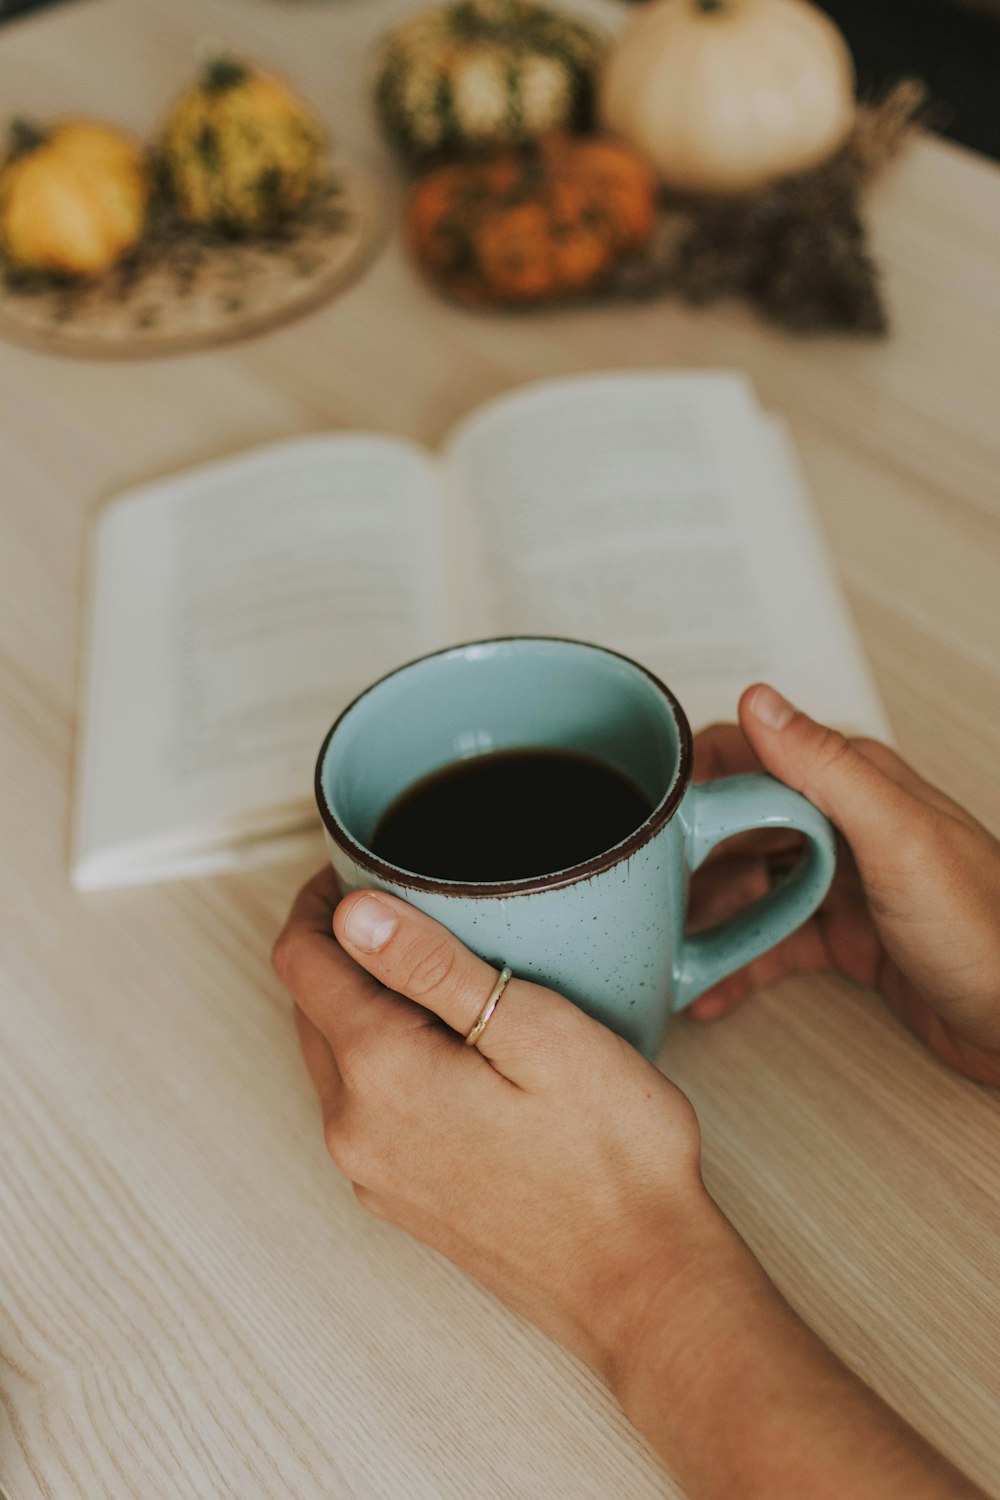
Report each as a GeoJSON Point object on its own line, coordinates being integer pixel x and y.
{"type": "Point", "coordinates": [825, 658]}
{"type": "Point", "coordinates": [236, 610]}
{"type": "Point", "coordinates": [660, 515]}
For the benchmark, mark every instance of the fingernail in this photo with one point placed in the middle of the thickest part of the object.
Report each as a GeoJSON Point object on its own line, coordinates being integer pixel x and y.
{"type": "Point", "coordinates": [771, 708]}
{"type": "Point", "coordinates": [708, 1009]}
{"type": "Point", "coordinates": [370, 924]}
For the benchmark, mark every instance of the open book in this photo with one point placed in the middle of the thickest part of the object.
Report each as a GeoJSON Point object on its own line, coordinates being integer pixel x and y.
{"type": "Point", "coordinates": [237, 608]}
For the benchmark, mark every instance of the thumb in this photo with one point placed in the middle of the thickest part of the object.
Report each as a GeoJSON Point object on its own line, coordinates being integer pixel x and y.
{"type": "Point", "coordinates": [869, 807]}
{"type": "Point", "coordinates": [420, 959]}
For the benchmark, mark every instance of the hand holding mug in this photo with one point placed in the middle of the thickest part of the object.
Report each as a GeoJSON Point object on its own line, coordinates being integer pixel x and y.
{"type": "Point", "coordinates": [914, 909]}
{"type": "Point", "coordinates": [555, 1165]}
{"type": "Point", "coordinates": [550, 1161]}
{"type": "Point", "coordinates": [559, 1168]}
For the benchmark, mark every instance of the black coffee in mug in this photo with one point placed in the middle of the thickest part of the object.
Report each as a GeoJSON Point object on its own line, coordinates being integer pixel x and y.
{"type": "Point", "coordinates": [509, 815]}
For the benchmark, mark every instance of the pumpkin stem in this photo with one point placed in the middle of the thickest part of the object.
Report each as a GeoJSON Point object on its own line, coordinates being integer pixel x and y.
{"type": "Point", "coordinates": [222, 74]}
{"type": "Point", "coordinates": [709, 6]}
{"type": "Point", "coordinates": [24, 136]}
{"type": "Point", "coordinates": [478, 20]}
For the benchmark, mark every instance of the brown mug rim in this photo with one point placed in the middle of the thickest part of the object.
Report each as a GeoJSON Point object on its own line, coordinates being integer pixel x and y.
{"type": "Point", "coordinates": [661, 814]}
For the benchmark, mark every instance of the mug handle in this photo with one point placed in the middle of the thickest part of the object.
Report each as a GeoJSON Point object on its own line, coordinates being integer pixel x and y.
{"type": "Point", "coordinates": [736, 804]}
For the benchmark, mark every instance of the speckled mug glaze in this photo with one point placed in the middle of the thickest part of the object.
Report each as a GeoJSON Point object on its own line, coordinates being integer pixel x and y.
{"type": "Point", "coordinates": [608, 933]}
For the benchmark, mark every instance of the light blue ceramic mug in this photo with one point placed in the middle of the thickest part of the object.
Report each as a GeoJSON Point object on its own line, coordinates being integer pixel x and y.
{"type": "Point", "coordinates": [608, 933]}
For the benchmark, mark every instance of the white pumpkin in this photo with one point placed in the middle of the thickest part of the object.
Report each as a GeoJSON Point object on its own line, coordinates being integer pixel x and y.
{"type": "Point", "coordinates": [724, 96]}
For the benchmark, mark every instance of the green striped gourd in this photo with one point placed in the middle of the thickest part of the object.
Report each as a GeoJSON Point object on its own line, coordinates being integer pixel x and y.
{"type": "Point", "coordinates": [482, 73]}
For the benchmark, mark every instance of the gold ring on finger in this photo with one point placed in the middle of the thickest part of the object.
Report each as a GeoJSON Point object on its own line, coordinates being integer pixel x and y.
{"type": "Point", "coordinates": [492, 1001]}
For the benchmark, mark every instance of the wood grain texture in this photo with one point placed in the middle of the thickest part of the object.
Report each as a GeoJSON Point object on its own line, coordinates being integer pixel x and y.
{"type": "Point", "coordinates": [190, 1301]}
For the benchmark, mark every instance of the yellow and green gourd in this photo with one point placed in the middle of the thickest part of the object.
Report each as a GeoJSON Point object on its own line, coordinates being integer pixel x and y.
{"type": "Point", "coordinates": [239, 150]}
{"type": "Point", "coordinates": [484, 73]}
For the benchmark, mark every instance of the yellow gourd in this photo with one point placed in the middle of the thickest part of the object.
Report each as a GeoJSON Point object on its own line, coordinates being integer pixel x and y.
{"type": "Point", "coordinates": [723, 96]}
{"type": "Point", "coordinates": [239, 150]}
{"type": "Point", "coordinates": [73, 197]}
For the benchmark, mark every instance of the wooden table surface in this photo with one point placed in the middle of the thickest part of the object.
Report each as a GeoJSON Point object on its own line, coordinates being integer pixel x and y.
{"type": "Point", "coordinates": [191, 1304]}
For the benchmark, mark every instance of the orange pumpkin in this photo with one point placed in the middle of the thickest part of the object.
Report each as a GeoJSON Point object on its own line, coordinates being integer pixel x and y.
{"type": "Point", "coordinates": [533, 225]}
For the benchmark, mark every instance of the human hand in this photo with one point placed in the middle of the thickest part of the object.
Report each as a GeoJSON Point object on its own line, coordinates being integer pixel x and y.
{"type": "Point", "coordinates": [551, 1162]}
{"type": "Point", "coordinates": [914, 909]}
{"type": "Point", "coordinates": [557, 1166]}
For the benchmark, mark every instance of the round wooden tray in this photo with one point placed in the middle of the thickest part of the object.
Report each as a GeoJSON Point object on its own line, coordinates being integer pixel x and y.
{"type": "Point", "coordinates": [188, 288]}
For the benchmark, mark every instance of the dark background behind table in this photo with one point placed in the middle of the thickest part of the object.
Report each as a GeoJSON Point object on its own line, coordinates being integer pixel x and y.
{"type": "Point", "coordinates": [953, 45]}
{"type": "Point", "coordinates": [954, 48]}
